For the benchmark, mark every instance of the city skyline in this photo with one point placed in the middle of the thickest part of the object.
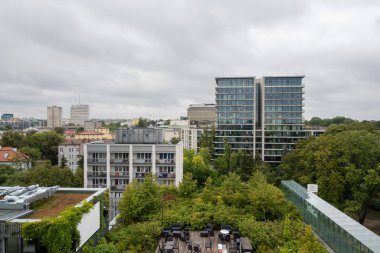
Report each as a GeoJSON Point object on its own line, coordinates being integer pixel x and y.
{"type": "Point", "coordinates": [149, 59]}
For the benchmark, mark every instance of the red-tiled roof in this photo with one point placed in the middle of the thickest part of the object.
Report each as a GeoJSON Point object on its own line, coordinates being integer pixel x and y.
{"type": "Point", "coordinates": [7, 154]}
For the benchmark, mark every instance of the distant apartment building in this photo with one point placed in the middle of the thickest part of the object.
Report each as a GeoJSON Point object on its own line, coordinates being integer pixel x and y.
{"type": "Point", "coordinates": [137, 151]}
{"type": "Point", "coordinates": [79, 114]}
{"type": "Point", "coordinates": [91, 125]}
{"type": "Point", "coordinates": [170, 133]}
{"type": "Point", "coordinates": [7, 116]}
{"type": "Point", "coordinates": [70, 153]}
{"type": "Point", "coordinates": [23, 124]}
{"type": "Point", "coordinates": [262, 116]}
{"type": "Point", "coordinates": [54, 116]}
{"type": "Point", "coordinates": [201, 114]}
{"type": "Point", "coordinates": [190, 138]}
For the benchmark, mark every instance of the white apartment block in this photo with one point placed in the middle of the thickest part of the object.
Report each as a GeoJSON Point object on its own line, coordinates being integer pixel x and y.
{"type": "Point", "coordinates": [79, 114]}
{"type": "Point", "coordinates": [190, 138]}
{"type": "Point", "coordinates": [71, 153]}
{"type": "Point", "coordinates": [115, 165]}
{"type": "Point", "coordinates": [54, 116]}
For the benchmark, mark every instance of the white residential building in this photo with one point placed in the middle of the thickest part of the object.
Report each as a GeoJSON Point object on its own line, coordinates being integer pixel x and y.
{"type": "Point", "coordinates": [71, 152]}
{"type": "Point", "coordinates": [136, 152]}
{"type": "Point", "coordinates": [190, 138]}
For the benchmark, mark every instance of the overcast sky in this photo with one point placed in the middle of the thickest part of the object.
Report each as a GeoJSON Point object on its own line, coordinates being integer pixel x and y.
{"type": "Point", "coordinates": [154, 58]}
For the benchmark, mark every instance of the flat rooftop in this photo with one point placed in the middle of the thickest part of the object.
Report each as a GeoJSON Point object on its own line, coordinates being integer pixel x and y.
{"type": "Point", "coordinates": [34, 202]}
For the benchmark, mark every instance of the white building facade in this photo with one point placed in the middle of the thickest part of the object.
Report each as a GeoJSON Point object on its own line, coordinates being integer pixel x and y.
{"type": "Point", "coordinates": [71, 152]}
{"type": "Point", "coordinates": [115, 165]}
{"type": "Point", "coordinates": [190, 138]}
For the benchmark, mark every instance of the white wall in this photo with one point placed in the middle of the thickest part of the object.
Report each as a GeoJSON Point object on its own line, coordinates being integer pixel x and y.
{"type": "Point", "coordinates": [89, 224]}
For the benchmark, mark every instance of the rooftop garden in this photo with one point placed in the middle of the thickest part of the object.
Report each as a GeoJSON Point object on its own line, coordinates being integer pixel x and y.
{"type": "Point", "coordinates": [53, 206]}
{"type": "Point", "coordinates": [258, 209]}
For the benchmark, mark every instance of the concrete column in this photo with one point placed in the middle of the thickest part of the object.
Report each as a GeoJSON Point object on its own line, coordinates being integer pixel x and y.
{"type": "Point", "coordinates": [108, 168]}
{"type": "Point", "coordinates": [85, 169]}
{"type": "Point", "coordinates": [179, 163]}
{"type": "Point", "coordinates": [131, 177]}
{"type": "Point", "coordinates": [154, 159]}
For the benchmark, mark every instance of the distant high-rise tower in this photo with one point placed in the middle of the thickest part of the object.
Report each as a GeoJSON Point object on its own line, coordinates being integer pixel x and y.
{"type": "Point", "coordinates": [263, 116]}
{"type": "Point", "coordinates": [54, 116]}
{"type": "Point", "coordinates": [79, 114]}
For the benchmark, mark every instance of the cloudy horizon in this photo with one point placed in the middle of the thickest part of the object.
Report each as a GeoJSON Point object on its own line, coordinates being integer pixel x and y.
{"type": "Point", "coordinates": [153, 58]}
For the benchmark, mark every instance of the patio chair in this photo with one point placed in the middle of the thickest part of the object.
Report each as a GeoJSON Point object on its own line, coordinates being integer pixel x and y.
{"type": "Point", "coordinates": [208, 245]}
{"type": "Point", "coordinates": [197, 248]}
{"type": "Point", "coordinates": [189, 246]}
{"type": "Point", "coordinates": [169, 238]}
{"type": "Point", "coordinates": [176, 245]}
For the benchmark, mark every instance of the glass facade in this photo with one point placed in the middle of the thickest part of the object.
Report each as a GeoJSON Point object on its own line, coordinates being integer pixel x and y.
{"type": "Point", "coordinates": [235, 99]}
{"type": "Point", "coordinates": [340, 232]}
{"type": "Point", "coordinates": [283, 115]}
{"type": "Point", "coordinates": [263, 116]}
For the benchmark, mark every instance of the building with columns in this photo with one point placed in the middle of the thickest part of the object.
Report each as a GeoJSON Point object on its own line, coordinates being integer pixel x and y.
{"type": "Point", "coordinates": [115, 165]}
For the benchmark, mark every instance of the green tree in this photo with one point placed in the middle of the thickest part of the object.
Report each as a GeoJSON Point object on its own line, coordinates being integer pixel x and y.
{"type": "Point", "coordinates": [32, 155]}
{"type": "Point", "coordinates": [188, 187]}
{"type": "Point", "coordinates": [343, 163]}
{"type": "Point", "coordinates": [45, 174]}
{"type": "Point", "coordinates": [175, 140]}
{"type": "Point", "coordinates": [139, 200]}
{"type": "Point", "coordinates": [198, 165]}
{"type": "Point", "coordinates": [59, 130]}
{"type": "Point", "coordinates": [12, 139]}
{"type": "Point", "coordinates": [47, 143]}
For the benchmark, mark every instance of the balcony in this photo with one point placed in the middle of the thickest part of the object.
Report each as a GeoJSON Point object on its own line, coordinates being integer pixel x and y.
{"type": "Point", "coordinates": [165, 161]}
{"type": "Point", "coordinates": [97, 174]}
{"type": "Point", "coordinates": [97, 160]}
{"type": "Point", "coordinates": [142, 161]}
{"type": "Point", "coordinates": [119, 174]}
{"type": "Point", "coordinates": [120, 161]}
{"type": "Point", "coordinates": [119, 187]}
{"type": "Point", "coordinates": [139, 175]}
{"type": "Point", "coordinates": [96, 186]}
{"type": "Point", "coordinates": [165, 175]}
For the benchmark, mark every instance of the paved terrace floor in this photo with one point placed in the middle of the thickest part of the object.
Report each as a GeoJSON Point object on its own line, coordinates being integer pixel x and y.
{"type": "Point", "coordinates": [195, 236]}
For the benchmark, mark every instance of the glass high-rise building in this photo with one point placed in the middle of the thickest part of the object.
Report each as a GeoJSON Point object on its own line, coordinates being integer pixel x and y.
{"type": "Point", "coordinates": [262, 116]}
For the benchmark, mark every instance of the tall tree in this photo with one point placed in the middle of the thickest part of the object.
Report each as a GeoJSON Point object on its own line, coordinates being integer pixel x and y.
{"type": "Point", "coordinates": [345, 164]}
{"type": "Point", "coordinates": [12, 139]}
{"type": "Point", "coordinates": [47, 143]}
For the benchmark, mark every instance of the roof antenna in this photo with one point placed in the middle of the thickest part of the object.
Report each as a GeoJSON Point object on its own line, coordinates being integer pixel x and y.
{"type": "Point", "coordinates": [79, 98]}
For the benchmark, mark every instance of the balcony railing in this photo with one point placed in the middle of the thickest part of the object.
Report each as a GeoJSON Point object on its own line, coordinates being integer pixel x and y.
{"type": "Point", "coordinates": [165, 175]}
{"type": "Point", "coordinates": [96, 186]}
{"type": "Point", "coordinates": [96, 160]}
{"type": "Point", "coordinates": [97, 174]}
{"type": "Point", "coordinates": [120, 187]}
{"type": "Point", "coordinates": [142, 161]}
{"type": "Point", "coordinates": [119, 174]}
{"type": "Point", "coordinates": [121, 161]}
{"type": "Point", "coordinates": [139, 175]}
{"type": "Point", "coordinates": [165, 161]}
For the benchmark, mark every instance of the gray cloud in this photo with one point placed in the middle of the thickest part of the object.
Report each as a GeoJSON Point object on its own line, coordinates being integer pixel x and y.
{"type": "Point", "coordinates": [153, 58]}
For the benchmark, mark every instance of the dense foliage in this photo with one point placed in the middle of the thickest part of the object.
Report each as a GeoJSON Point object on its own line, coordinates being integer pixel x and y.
{"type": "Point", "coordinates": [38, 145]}
{"type": "Point", "coordinates": [258, 208]}
{"type": "Point", "coordinates": [344, 161]}
{"type": "Point", "coordinates": [58, 234]}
